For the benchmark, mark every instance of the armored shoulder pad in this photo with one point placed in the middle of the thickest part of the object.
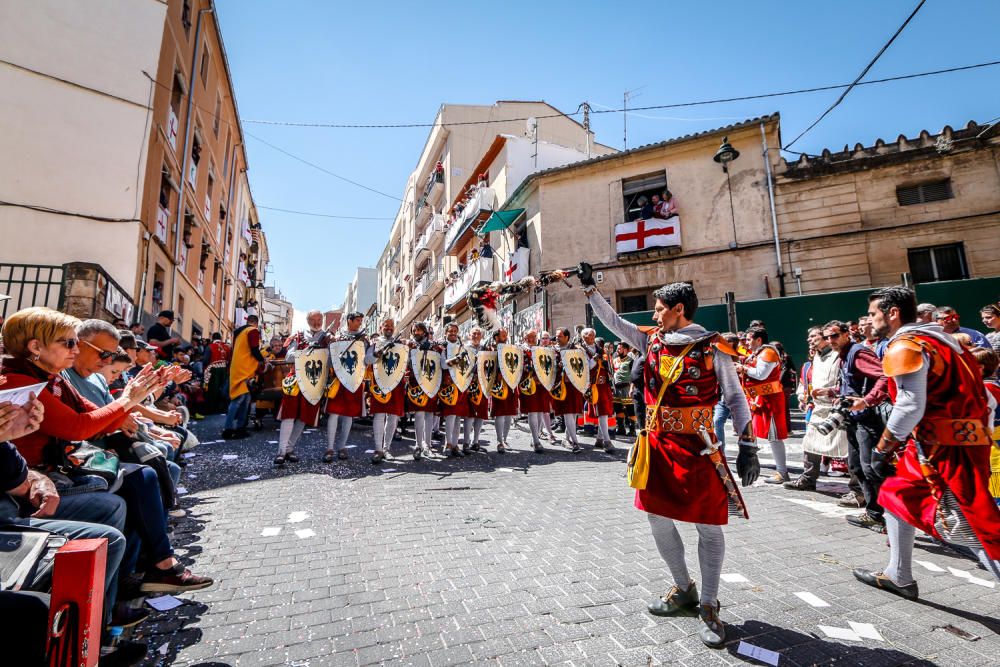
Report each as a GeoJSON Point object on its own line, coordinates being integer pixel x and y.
{"type": "Point", "coordinates": [903, 355]}
{"type": "Point", "coordinates": [721, 345]}
{"type": "Point", "coordinates": [770, 355]}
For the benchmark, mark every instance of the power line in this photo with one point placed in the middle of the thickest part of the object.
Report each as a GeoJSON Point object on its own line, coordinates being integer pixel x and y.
{"type": "Point", "coordinates": [678, 105]}
{"type": "Point", "coordinates": [322, 169]}
{"type": "Point", "coordinates": [320, 215]}
{"type": "Point", "coordinates": [860, 76]}
{"type": "Point", "coordinates": [72, 214]}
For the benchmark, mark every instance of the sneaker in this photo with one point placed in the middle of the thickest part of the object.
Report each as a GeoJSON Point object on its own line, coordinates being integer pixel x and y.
{"type": "Point", "coordinates": [126, 617]}
{"type": "Point", "coordinates": [378, 457]}
{"type": "Point", "coordinates": [279, 461]}
{"type": "Point", "coordinates": [850, 499]}
{"type": "Point", "coordinates": [538, 448]}
{"type": "Point", "coordinates": [800, 484]}
{"type": "Point", "coordinates": [575, 448]}
{"type": "Point", "coordinates": [676, 602]}
{"type": "Point", "coordinates": [777, 478]}
{"type": "Point", "coordinates": [609, 447]}
{"type": "Point", "coordinates": [241, 433]}
{"type": "Point", "coordinates": [228, 434]}
{"type": "Point", "coordinates": [866, 520]}
{"type": "Point", "coordinates": [879, 580]}
{"type": "Point", "coordinates": [123, 654]}
{"type": "Point", "coordinates": [428, 453]}
{"type": "Point", "coordinates": [177, 579]}
{"type": "Point", "coordinates": [467, 450]}
{"type": "Point", "coordinates": [713, 630]}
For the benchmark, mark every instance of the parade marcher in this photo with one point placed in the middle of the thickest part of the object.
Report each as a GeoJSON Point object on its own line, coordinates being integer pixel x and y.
{"type": "Point", "coordinates": [761, 373]}
{"type": "Point", "coordinates": [342, 404]}
{"type": "Point", "coordinates": [621, 378]}
{"type": "Point", "coordinates": [296, 413]}
{"type": "Point", "coordinates": [689, 480]}
{"type": "Point", "coordinates": [420, 403]}
{"type": "Point", "coordinates": [454, 402]}
{"type": "Point", "coordinates": [989, 360]}
{"type": "Point", "coordinates": [243, 370]}
{"type": "Point", "coordinates": [216, 375]}
{"type": "Point", "coordinates": [386, 406]}
{"type": "Point", "coordinates": [721, 414]}
{"type": "Point", "coordinates": [600, 401]}
{"type": "Point", "coordinates": [824, 377]}
{"type": "Point", "coordinates": [938, 432]}
{"type": "Point", "coordinates": [567, 400]}
{"type": "Point", "coordinates": [479, 402]}
{"type": "Point", "coordinates": [534, 400]}
{"type": "Point", "coordinates": [503, 399]}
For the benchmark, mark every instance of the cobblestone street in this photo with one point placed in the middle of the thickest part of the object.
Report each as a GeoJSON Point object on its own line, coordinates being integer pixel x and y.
{"type": "Point", "coordinates": [525, 559]}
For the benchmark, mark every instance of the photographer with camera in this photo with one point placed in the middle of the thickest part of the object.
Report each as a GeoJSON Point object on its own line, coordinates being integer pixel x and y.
{"type": "Point", "coordinates": [863, 386]}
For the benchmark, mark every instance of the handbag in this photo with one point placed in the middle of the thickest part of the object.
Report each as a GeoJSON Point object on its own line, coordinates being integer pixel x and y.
{"type": "Point", "coordinates": [88, 459]}
{"type": "Point", "coordinates": [639, 454]}
{"type": "Point", "coordinates": [27, 555]}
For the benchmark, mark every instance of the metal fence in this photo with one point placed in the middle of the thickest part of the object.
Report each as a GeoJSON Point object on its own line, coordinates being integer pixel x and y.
{"type": "Point", "coordinates": [30, 285]}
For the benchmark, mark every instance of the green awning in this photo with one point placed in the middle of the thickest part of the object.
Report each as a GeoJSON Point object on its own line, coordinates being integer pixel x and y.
{"type": "Point", "coordinates": [500, 220]}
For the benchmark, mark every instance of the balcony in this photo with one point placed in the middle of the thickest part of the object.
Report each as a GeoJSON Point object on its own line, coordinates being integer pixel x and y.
{"type": "Point", "coordinates": [430, 237]}
{"type": "Point", "coordinates": [481, 270]}
{"type": "Point", "coordinates": [477, 209]}
{"type": "Point", "coordinates": [395, 297]}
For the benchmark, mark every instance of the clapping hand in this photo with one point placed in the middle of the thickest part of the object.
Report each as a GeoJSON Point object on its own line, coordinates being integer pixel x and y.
{"type": "Point", "coordinates": [17, 421]}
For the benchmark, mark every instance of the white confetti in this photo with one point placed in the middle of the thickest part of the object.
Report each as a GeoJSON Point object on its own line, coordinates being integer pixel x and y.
{"type": "Point", "coordinates": [272, 442]}
{"type": "Point", "coordinates": [297, 517]}
{"type": "Point", "coordinates": [188, 455]}
{"type": "Point", "coordinates": [369, 451]}
{"type": "Point", "coordinates": [305, 532]}
{"type": "Point", "coordinates": [758, 653]}
{"type": "Point", "coordinates": [350, 446]}
{"type": "Point", "coordinates": [734, 578]}
{"type": "Point", "coordinates": [929, 566]}
{"type": "Point", "coordinates": [181, 490]}
{"type": "Point", "coordinates": [811, 599]}
{"type": "Point", "coordinates": [229, 457]}
{"type": "Point", "coordinates": [163, 650]}
{"type": "Point", "coordinates": [840, 633]}
{"type": "Point", "coordinates": [251, 478]}
{"type": "Point", "coordinates": [388, 470]}
{"type": "Point", "coordinates": [962, 574]}
{"type": "Point", "coordinates": [270, 532]}
{"type": "Point", "coordinates": [866, 631]}
{"type": "Point", "coordinates": [164, 602]}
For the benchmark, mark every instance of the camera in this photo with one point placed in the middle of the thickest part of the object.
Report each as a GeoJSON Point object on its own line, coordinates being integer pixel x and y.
{"type": "Point", "coordinates": [839, 415]}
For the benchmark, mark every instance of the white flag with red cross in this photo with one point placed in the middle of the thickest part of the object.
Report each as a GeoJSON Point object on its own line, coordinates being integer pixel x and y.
{"type": "Point", "coordinates": [644, 234]}
{"type": "Point", "coordinates": [517, 265]}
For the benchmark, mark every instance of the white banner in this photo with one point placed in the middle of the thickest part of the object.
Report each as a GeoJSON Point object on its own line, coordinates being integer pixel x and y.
{"type": "Point", "coordinates": [643, 234]}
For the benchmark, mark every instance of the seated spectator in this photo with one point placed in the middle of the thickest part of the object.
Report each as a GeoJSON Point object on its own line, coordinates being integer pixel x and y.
{"type": "Point", "coordinates": [43, 343]}
{"type": "Point", "coordinates": [948, 318]}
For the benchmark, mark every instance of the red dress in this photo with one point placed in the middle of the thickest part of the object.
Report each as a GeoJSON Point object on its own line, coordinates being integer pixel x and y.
{"type": "Point", "coordinates": [767, 396]}
{"type": "Point", "coordinates": [604, 406]}
{"type": "Point", "coordinates": [960, 456]}
{"type": "Point", "coordinates": [684, 484]}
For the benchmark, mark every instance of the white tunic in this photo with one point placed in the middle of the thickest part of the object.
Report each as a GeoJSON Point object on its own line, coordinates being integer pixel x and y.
{"type": "Point", "coordinates": [825, 375]}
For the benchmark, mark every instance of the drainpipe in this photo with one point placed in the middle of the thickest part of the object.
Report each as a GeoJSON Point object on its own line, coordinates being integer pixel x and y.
{"type": "Point", "coordinates": [774, 216]}
{"type": "Point", "coordinates": [186, 152]}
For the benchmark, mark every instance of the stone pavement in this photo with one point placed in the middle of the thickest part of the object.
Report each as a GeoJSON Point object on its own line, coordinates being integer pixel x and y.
{"type": "Point", "coordinates": [523, 559]}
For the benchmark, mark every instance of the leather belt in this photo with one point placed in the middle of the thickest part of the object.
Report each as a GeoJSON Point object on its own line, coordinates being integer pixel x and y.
{"type": "Point", "coordinates": [954, 432]}
{"type": "Point", "coordinates": [681, 420]}
{"type": "Point", "coordinates": [766, 389]}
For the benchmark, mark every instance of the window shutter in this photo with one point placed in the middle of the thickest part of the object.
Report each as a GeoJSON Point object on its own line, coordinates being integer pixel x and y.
{"type": "Point", "coordinates": [924, 193]}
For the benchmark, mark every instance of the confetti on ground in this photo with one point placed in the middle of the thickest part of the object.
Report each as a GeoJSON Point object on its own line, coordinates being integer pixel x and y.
{"type": "Point", "coordinates": [929, 566]}
{"type": "Point", "coordinates": [961, 574]}
{"type": "Point", "coordinates": [272, 442]}
{"type": "Point", "coordinates": [229, 457]}
{"type": "Point", "coordinates": [270, 532]}
{"type": "Point", "coordinates": [305, 532]}
{"type": "Point", "coordinates": [369, 451]}
{"type": "Point", "coordinates": [297, 517]}
{"type": "Point", "coordinates": [251, 478]}
{"type": "Point", "coordinates": [866, 631]}
{"type": "Point", "coordinates": [188, 455]}
{"type": "Point", "coordinates": [164, 602]}
{"type": "Point", "coordinates": [840, 633]}
{"type": "Point", "coordinates": [388, 470]}
{"type": "Point", "coordinates": [163, 650]}
{"type": "Point", "coordinates": [181, 490]}
{"type": "Point", "coordinates": [811, 599]}
{"type": "Point", "coordinates": [734, 579]}
{"type": "Point", "coordinates": [758, 653]}
{"type": "Point", "coordinates": [350, 446]}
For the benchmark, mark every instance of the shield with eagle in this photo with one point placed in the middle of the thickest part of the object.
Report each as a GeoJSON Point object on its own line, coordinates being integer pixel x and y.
{"type": "Point", "coordinates": [311, 367]}
{"type": "Point", "coordinates": [486, 369]}
{"type": "Point", "coordinates": [577, 367]}
{"type": "Point", "coordinates": [463, 365]}
{"type": "Point", "coordinates": [427, 371]}
{"type": "Point", "coordinates": [510, 360]}
{"type": "Point", "coordinates": [390, 367]}
{"type": "Point", "coordinates": [546, 366]}
{"type": "Point", "coordinates": [348, 360]}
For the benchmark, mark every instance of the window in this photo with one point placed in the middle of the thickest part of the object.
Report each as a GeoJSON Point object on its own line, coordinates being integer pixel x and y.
{"type": "Point", "coordinates": [177, 93]}
{"type": "Point", "coordinates": [196, 149]}
{"type": "Point", "coordinates": [218, 114]}
{"type": "Point", "coordinates": [225, 158]}
{"type": "Point", "coordinates": [638, 187]}
{"type": "Point", "coordinates": [633, 301]}
{"type": "Point", "coordinates": [180, 309]}
{"type": "Point", "coordinates": [943, 262]}
{"type": "Point", "coordinates": [924, 193]}
{"type": "Point", "coordinates": [204, 64]}
{"type": "Point", "coordinates": [186, 17]}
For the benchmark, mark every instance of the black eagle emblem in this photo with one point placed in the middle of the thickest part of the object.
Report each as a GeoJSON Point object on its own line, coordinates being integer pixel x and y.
{"type": "Point", "coordinates": [576, 363]}
{"type": "Point", "coordinates": [511, 360]}
{"type": "Point", "coordinates": [314, 371]}
{"type": "Point", "coordinates": [390, 362]}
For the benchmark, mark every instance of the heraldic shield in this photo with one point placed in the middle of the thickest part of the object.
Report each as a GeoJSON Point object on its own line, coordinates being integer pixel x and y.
{"type": "Point", "coordinates": [577, 367]}
{"type": "Point", "coordinates": [348, 360]}
{"type": "Point", "coordinates": [510, 359]}
{"type": "Point", "coordinates": [546, 366]}
{"type": "Point", "coordinates": [310, 373]}
{"type": "Point", "coordinates": [486, 369]}
{"type": "Point", "coordinates": [390, 368]}
{"type": "Point", "coordinates": [463, 365]}
{"type": "Point", "coordinates": [426, 365]}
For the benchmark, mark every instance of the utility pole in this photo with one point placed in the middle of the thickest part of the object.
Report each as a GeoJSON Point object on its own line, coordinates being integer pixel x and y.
{"type": "Point", "coordinates": [586, 124]}
{"type": "Point", "coordinates": [629, 94]}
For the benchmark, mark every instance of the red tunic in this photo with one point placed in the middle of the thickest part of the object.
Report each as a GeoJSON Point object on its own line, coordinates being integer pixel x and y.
{"type": "Point", "coordinates": [68, 416]}
{"type": "Point", "coordinates": [769, 408]}
{"type": "Point", "coordinates": [605, 404]}
{"type": "Point", "coordinates": [572, 404]}
{"type": "Point", "coordinates": [954, 391]}
{"type": "Point", "coordinates": [480, 410]}
{"type": "Point", "coordinates": [296, 407]}
{"type": "Point", "coordinates": [505, 407]}
{"type": "Point", "coordinates": [539, 400]}
{"type": "Point", "coordinates": [412, 389]}
{"type": "Point", "coordinates": [684, 484]}
{"type": "Point", "coordinates": [394, 405]}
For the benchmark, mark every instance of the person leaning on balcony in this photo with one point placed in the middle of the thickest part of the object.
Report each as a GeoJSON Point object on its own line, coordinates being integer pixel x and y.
{"type": "Point", "coordinates": [665, 207]}
{"type": "Point", "coordinates": [486, 251]}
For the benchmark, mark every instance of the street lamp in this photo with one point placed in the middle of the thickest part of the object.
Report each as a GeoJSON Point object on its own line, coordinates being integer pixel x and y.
{"type": "Point", "coordinates": [724, 156]}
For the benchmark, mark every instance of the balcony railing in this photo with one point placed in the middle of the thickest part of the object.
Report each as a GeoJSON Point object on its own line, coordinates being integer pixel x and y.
{"type": "Point", "coordinates": [478, 271]}
{"type": "Point", "coordinates": [430, 236]}
{"type": "Point", "coordinates": [477, 209]}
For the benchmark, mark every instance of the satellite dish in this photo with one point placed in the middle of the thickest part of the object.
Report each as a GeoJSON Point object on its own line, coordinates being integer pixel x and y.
{"type": "Point", "coordinates": [532, 126]}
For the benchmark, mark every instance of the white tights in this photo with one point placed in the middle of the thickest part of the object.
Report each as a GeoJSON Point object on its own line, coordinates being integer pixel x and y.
{"type": "Point", "coordinates": [602, 428]}
{"type": "Point", "coordinates": [451, 430]}
{"type": "Point", "coordinates": [711, 552]}
{"type": "Point", "coordinates": [384, 427]}
{"type": "Point", "coordinates": [423, 423]}
{"type": "Point", "coordinates": [332, 423]}
{"type": "Point", "coordinates": [469, 425]}
{"type": "Point", "coordinates": [502, 424]}
{"type": "Point", "coordinates": [535, 424]}
{"type": "Point", "coordinates": [288, 434]}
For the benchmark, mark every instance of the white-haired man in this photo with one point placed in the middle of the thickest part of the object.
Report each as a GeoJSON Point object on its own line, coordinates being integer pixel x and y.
{"type": "Point", "coordinates": [296, 412]}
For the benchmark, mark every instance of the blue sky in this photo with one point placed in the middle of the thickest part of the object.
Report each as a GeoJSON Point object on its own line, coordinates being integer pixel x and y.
{"type": "Point", "coordinates": [396, 62]}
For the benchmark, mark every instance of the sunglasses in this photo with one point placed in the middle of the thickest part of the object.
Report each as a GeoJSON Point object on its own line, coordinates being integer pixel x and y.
{"type": "Point", "coordinates": [834, 336]}
{"type": "Point", "coordinates": [68, 343]}
{"type": "Point", "coordinates": [103, 354]}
